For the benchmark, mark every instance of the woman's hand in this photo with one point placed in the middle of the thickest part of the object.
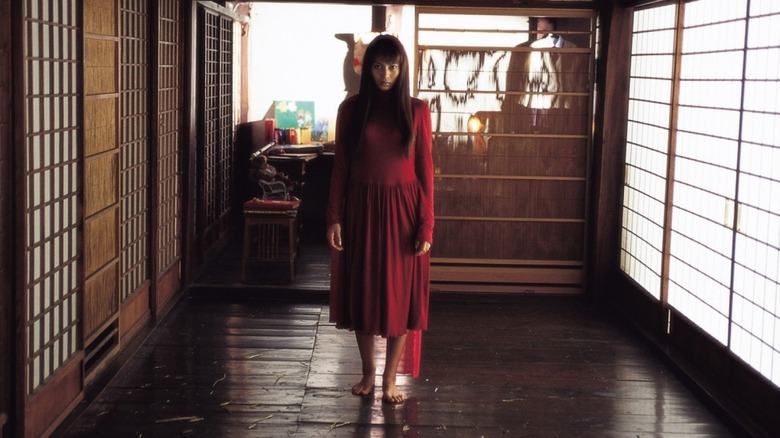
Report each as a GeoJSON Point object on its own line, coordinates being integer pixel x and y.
{"type": "Point", "coordinates": [421, 247]}
{"type": "Point", "coordinates": [334, 237]}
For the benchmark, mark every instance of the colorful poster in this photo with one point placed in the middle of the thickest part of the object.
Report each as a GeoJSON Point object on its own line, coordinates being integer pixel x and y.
{"type": "Point", "coordinates": [294, 114]}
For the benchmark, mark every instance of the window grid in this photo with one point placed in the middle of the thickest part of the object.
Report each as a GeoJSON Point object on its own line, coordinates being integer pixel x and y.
{"type": "Point", "coordinates": [755, 322]}
{"type": "Point", "coordinates": [169, 172]}
{"type": "Point", "coordinates": [134, 226]}
{"type": "Point", "coordinates": [210, 125]}
{"type": "Point", "coordinates": [644, 194]}
{"type": "Point", "coordinates": [706, 163]}
{"type": "Point", "coordinates": [51, 167]}
{"type": "Point", "coordinates": [225, 112]}
{"type": "Point", "coordinates": [724, 244]}
{"type": "Point", "coordinates": [217, 117]}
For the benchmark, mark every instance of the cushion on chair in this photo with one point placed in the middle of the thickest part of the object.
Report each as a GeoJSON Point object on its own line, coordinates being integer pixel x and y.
{"type": "Point", "coordinates": [256, 204]}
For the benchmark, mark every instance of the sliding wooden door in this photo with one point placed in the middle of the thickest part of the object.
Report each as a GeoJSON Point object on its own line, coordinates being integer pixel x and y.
{"type": "Point", "coordinates": [168, 169]}
{"type": "Point", "coordinates": [49, 161]}
{"type": "Point", "coordinates": [215, 152]}
{"type": "Point", "coordinates": [511, 107]}
{"type": "Point", "coordinates": [134, 164]}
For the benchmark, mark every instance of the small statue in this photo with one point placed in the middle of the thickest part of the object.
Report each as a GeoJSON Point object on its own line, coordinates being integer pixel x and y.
{"type": "Point", "coordinates": [261, 170]}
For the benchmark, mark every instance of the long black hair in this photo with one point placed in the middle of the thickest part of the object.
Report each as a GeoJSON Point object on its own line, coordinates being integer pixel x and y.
{"type": "Point", "coordinates": [385, 46]}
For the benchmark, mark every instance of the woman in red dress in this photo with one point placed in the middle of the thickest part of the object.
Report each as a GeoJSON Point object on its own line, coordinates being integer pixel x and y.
{"type": "Point", "coordinates": [380, 213]}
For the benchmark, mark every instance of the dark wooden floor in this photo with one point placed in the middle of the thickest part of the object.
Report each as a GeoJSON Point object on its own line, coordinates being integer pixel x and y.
{"type": "Point", "coordinates": [266, 363]}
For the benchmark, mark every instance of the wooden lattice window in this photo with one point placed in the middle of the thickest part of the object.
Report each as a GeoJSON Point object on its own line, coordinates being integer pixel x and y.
{"type": "Point", "coordinates": [169, 172]}
{"type": "Point", "coordinates": [225, 112]}
{"type": "Point", "coordinates": [216, 120]}
{"type": "Point", "coordinates": [510, 103]}
{"type": "Point", "coordinates": [134, 146]}
{"type": "Point", "coordinates": [210, 118]}
{"type": "Point", "coordinates": [51, 187]}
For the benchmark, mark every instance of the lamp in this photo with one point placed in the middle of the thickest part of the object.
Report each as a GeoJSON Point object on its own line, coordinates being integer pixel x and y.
{"type": "Point", "coordinates": [474, 124]}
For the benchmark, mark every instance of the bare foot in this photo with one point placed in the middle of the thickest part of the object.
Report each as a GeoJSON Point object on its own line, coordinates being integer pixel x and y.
{"type": "Point", "coordinates": [391, 394]}
{"type": "Point", "coordinates": [364, 387]}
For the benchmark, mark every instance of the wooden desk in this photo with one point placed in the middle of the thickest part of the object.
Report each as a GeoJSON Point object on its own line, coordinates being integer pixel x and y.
{"type": "Point", "coordinates": [263, 236]}
{"type": "Point", "coordinates": [292, 165]}
{"type": "Point", "coordinates": [313, 172]}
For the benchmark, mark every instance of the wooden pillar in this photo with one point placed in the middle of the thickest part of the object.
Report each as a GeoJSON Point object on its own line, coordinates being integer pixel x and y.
{"type": "Point", "coordinates": [378, 18]}
{"type": "Point", "coordinates": [6, 235]}
{"type": "Point", "coordinates": [609, 146]}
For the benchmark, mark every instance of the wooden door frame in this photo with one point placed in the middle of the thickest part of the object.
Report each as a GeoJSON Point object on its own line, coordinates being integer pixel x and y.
{"type": "Point", "coordinates": [7, 297]}
{"type": "Point", "coordinates": [189, 81]}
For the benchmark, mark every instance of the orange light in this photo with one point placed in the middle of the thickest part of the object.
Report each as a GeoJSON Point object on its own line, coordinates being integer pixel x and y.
{"type": "Point", "coordinates": [474, 125]}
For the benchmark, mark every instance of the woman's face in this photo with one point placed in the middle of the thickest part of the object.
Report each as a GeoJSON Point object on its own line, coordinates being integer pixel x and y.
{"type": "Point", "coordinates": [385, 71]}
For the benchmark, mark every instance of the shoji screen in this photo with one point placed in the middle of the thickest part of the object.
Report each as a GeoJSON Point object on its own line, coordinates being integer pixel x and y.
{"type": "Point", "coordinates": [134, 147]}
{"type": "Point", "coordinates": [216, 124]}
{"type": "Point", "coordinates": [51, 188]}
{"type": "Point", "coordinates": [706, 163]}
{"type": "Point", "coordinates": [755, 316]}
{"type": "Point", "coordinates": [168, 153]}
{"type": "Point", "coordinates": [210, 174]}
{"type": "Point", "coordinates": [648, 135]}
{"type": "Point", "coordinates": [226, 121]}
{"type": "Point", "coordinates": [724, 232]}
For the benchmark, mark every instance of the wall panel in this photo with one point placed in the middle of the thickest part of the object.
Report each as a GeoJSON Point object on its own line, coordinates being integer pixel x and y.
{"type": "Point", "coordinates": [101, 184]}
{"type": "Point", "coordinates": [99, 66]}
{"type": "Point", "coordinates": [99, 126]}
{"type": "Point", "coordinates": [102, 306]}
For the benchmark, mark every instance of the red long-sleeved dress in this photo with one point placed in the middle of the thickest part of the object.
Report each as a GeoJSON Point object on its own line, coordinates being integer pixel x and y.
{"type": "Point", "coordinates": [384, 203]}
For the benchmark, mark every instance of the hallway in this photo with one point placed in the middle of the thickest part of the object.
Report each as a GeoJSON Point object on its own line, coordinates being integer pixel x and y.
{"type": "Point", "coordinates": [526, 366]}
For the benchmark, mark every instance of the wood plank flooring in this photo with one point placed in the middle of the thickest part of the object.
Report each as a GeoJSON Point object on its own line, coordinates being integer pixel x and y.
{"type": "Point", "coordinates": [226, 365]}
{"type": "Point", "coordinates": [260, 359]}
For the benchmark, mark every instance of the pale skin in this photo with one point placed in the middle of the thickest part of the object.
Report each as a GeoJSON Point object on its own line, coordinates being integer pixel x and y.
{"type": "Point", "coordinates": [385, 73]}
{"type": "Point", "coordinates": [365, 341]}
{"type": "Point", "coordinates": [545, 25]}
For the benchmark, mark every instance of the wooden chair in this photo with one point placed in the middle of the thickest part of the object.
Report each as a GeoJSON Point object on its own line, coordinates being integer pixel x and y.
{"type": "Point", "coordinates": [263, 223]}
